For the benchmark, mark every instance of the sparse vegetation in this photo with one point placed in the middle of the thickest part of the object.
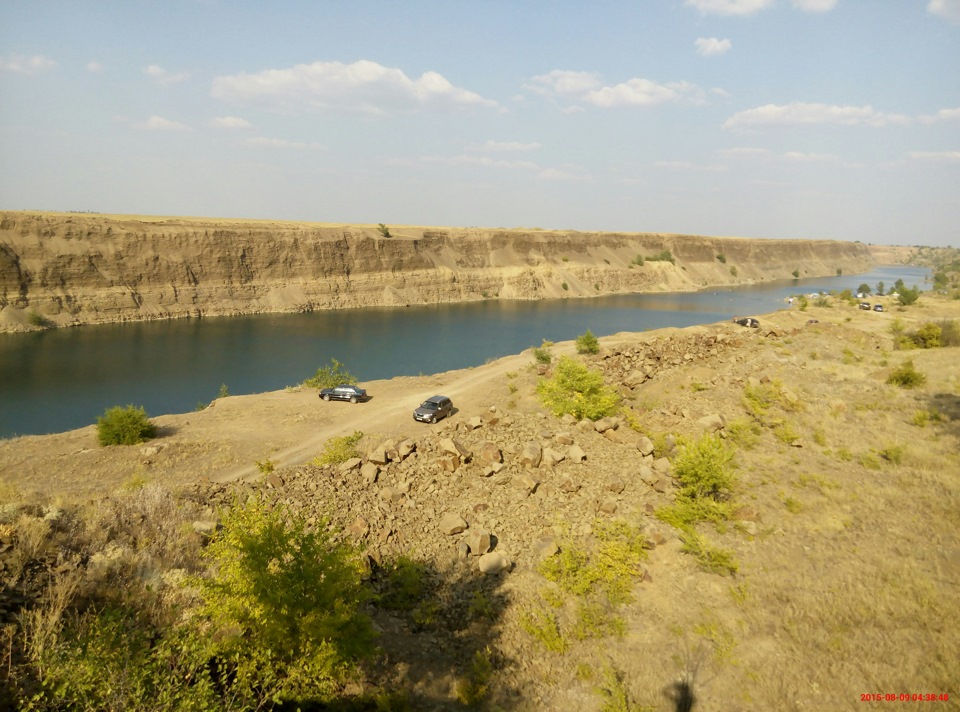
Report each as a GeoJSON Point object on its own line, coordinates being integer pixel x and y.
{"type": "Point", "coordinates": [124, 426]}
{"type": "Point", "coordinates": [796, 274]}
{"type": "Point", "coordinates": [384, 230]}
{"type": "Point", "coordinates": [722, 258]}
{"type": "Point", "coordinates": [907, 376]}
{"type": "Point", "coordinates": [339, 449]}
{"type": "Point", "coordinates": [565, 286]}
{"type": "Point", "coordinates": [542, 353]}
{"type": "Point", "coordinates": [587, 343]}
{"type": "Point", "coordinates": [662, 256]}
{"type": "Point", "coordinates": [577, 390]}
{"type": "Point", "coordinates": [330, 376]}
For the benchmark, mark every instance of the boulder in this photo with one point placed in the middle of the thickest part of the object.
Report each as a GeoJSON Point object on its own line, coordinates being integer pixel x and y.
{"type": "Point", "coordinates": [569, 485]}
{"type": "Point", "coordinates": [531, 455]}
{"type": "Point", "coordinates": [605, 424]}
{"type": "Point", "coordinates": [576, 454]}
{"type": "Point", "coordinates": [369, 473]}
{"type": "Point", "coordinates": [545, 547]}
{"type": "Point", "coordinates": [448, 463]}
{"type": "Point", "coordinates": [711, 423]}
{"type": "Point", "coordinates": [452, 523]}
{"type": "Point", "coordinates": [455, 447]}
{"type": "Point", "coordinates": [378, 456]}
{"type": "Point", "coordinates": [488, 452]}
{"type": "Point", "coordinates": [350, 464]}
{"type": "Point", "coordinates": [645, 445]}
{"type": "Point", "coordinates": [475, 422]}
{"type": "Point", "coordinates": [563, 438]}
{"type": "Point", "coordinates": [478, 541]}
{"type": "Point", "coordinates": [493, 563]}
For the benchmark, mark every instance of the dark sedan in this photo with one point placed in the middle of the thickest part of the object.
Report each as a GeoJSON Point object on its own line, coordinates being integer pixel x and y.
{"type": "Point", "coordinates": [354, 394]}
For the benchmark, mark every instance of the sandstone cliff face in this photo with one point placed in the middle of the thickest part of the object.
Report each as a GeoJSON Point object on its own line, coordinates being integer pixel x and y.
{"type": "Point", "coordinates": [86, 269]}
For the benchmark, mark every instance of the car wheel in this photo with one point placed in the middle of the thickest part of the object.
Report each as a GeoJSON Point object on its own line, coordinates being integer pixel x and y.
{"type": "Point", "coordinates": [326, 396]}
{"type": "Point", "coordinates": [433, 420]}
{"type": "Point", "coordinates": [353, 399]}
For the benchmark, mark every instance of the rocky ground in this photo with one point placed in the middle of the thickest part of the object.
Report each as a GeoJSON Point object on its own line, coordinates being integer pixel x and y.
{"type": "Point", "coordinates": [844, 557]}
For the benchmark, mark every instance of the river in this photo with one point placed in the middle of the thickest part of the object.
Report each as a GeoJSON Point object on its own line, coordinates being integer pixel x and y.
{"type": "Point", "coordinates": [57, 380]}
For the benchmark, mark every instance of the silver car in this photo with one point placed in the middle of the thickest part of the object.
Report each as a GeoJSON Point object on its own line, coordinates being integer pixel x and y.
{"type": "Point", "coordinates": [433, 409]}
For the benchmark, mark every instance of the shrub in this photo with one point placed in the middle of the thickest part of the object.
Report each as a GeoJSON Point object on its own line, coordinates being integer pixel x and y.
{"type": "Point", "coordinates": [577, 390]}
{"type": "Point", "coordinates": [927, 336]}
{"type": "Point", "coordinates": [796, 274]}
{"type": "Point", "coordinates": [339, 449]}
{"type": "Point", "coordinates": [638, 261]}
{"type": "Point", "coordinates": [664, 256]}
{"type": "Point", "coordinates": [224, 392]}
{"type": "Point", "coordinates": [542, 353]}
{"type": "Point", "coordinates": [384, 230]}
{"type": "Point", "coordinates": [733, 271]}
{"type": "Point", "coordinates": [909, 295]}
{"type": "Point", "coordinates": [949, 332]}
{"type": "Point", "coordinates": [587, 343]}
{"type": "Point", "coordinates": [37, 319]}
{"type": "Point", "coordinates": [722, 258]}
{"type": "Point", "coordinates": [124, 426]}
{"type": "Point", "coordinates": [330, 376]}
{"type": "Point", "coordinates": [907, 376]}
{"type": "Point", "coordinates": [565, 286]}
{"type": "Point", "coordinates": [285, 604]}
{"type": "Point", "coordinates": [704, 469]}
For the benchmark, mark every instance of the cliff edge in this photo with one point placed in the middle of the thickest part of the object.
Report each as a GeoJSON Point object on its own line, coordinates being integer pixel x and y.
{"type": "Point", "coordinates": [61, 269]}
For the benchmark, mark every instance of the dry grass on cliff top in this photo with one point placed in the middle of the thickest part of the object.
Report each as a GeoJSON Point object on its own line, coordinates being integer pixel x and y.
{"type": "Point", "coordinates": [845, 543]}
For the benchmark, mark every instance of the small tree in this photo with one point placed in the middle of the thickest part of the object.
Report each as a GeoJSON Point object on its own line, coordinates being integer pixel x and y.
{"type": "Point", "coordinates": [124, 426]}
{"type": "Point", "coordinates": [577, 390]}
{"type": "Point", "coordinates": [384, 230]}
{"type": "Point", "coordinates": [864, 289]}
{"type": "Point", "coordinates": [587, 343]}
{"type": "Point", "coordinates": [330, 376]}
{"type": "Point", "coordinates": [880, 286]}
{"type": "Point", "coordinates": [909, 295]}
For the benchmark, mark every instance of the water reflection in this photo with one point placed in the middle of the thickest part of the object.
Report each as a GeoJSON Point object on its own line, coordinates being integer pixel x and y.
{"type": "Point", "coordinates": [62, 379]}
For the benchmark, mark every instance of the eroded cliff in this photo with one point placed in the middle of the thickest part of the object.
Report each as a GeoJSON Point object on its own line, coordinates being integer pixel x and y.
{"type": "Point", "coordinates": [64, 269]}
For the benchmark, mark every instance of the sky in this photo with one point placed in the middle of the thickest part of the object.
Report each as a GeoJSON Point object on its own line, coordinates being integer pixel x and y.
{"type": "Point", "coordinates": [814, 119]}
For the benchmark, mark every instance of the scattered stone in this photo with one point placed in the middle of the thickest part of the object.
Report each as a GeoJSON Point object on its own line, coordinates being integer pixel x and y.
{"type": "Point", "coordinates": [350, 464]}
{"type": "Point", "coordinates": [662, 465]}
{"type": "Point", "coordinates": [475, 422]}
{"type": "Point", "coordinates": [455, 447]}
{"type": "Point", "coordinates": [576, 454]}
{"type": "Point", "coordinates": [274, 481]}
{"type": "Point", "coordinates": [648, 476]}
{"type": "Point", "coordinates": [563, 438]}
{"type": "Point", "coordinates": [359, 528]}
{"type": "Point", "coordinates": [405, 448]}
{"type": "Point", "coordinates": [545, 547]}
{"type": "Point", "coordinates": [662, 485]}
{"type": "Point", "coordinates": [369, 473]}
{"type": "Point", "coordinates": [463, 551]}
{"type": "Point", "coordinates": [551, 457]}
{"type": "Point", "coordinates": [493, 563]}
{"type": "Point", "coordinates": [605, 424]}
{"type": "Point", "coordinates": [478, 541]}
{"type": "Point", "coordinates": [452, 523]}
{"type": "Point", "coordinates": [569, 485]}
{"type": "Point", "coordinates": [616, 485]}
{"type": "Point", "coordinates": [645, 445]}
{"type": "Point", "coordinates": [390, 494]}
{"type": "Point", "coordinates": [378, 456]}
{"type": "Point", "coordinates": [711, 423]}
{"type": "Point", "coordinates": [448, 463]}
{"type": "Point", "coordinates": [613, 436]}
{"type": "Point", "coordinates": [526, 482]}
{"type": "Point", "coordinates": [531, 454]}
{"type": "Point", "coordinates": [608, 506]}
{"type": "Point", "coordinates": [488, 452]}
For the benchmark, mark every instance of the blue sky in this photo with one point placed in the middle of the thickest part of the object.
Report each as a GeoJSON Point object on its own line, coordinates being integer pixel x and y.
{"type": "Point", "coordinates": [833, 119]}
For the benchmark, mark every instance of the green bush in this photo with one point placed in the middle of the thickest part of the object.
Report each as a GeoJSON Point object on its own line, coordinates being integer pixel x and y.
{"type": "Point", "coordinates": [577, 390]}
{"type": "Point", "coordinates": [587, 343]}
{"type": "Point", "coordinates": [664, 256]}
{"type": "Point", "coordinates": [124, 426]}
{"type": "Point", "coordinates": [909, 295]}
{"type": "Point", "coordinates": [384, 230]}
{"type": "Point", "coordinates": [330, 376]}
{"type": "Point", "coordinates": [906, 376]}
{"type": "Point", "coordinates": [796, 274]}
{"type": "Point", "coordinates": [542, 353]}
{"type": "Point", "coordinates": [704, 469]}
{"type": "Point", "coordinates": [927, 336]}
{"type": "Point", "coordinates": [285, 607]}
{"type": "Point", "coordinates": [722, 258]}
{"type": "Point", "coordinates": [949, 332]}
{"type": "Point", "coordinates": [339, 449]}
{"type": "Point", "coordinates": [565, 286]}
{"type": "Point", "coordinates": [733, 271]}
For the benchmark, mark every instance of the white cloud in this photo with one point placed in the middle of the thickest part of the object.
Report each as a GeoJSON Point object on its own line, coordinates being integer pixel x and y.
{"type": "Point", "coordinates": [561, 175]}
{"type": "Point", "coordinates": [804, 114]}
{"type": "Point", "coordinates": [500, 146]}
{"type": "Point", "coordinates": [728, 7]}
{"type": "Point", "coordinates": [31, 66]}
{"type": "Point", "coordinates": [564, 83]}
{"type": "Point", "coordinates": [935, 157]}
{"type": "Point", "coordinates": [94, 66]}
{"type": "Point", "coordinates": [482, 161]}
{"type": "Point", "coordinates": [815, 5]}
{"type": "Point", "coordinates": [643, 92]}
{"type": "Point", "coordinates": [281, 143]}
{"type": "Point", "coordinates": [229, 122]}
{"type": "Point", "coordinates": [688, 166]}
{"type": "Point", "coordinates": [163, 77]}
{"type": "Point", "coordinates": [947, 9]}
{"type": "Point", "coordinates": [942, 115]}
{"type": "Point", "coordinates": [711, 46]}
{"type": "Point", "coordinates": [158, 123]}
{"type": "Point", "coordinates": [363, 87]}
{"type": "Point", "coordinates": [800, 157]}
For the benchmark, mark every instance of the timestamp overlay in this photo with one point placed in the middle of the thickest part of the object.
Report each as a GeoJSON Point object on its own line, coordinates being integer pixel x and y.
{"type": "Point", "coordinates": [904, 697]}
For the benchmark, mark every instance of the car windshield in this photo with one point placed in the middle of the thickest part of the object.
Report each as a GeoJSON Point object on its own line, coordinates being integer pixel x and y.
{"type": "Point", "coordinates": [429, 405]}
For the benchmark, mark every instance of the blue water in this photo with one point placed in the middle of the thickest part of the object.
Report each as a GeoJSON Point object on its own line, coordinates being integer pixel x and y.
{"type": "Point", "coordinates": [62, 379]}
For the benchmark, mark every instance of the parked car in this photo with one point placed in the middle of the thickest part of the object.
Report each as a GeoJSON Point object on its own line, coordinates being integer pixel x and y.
{"type": "Point", "coordinates": [878, 307]}
{"type": "Point", "coordinates": [865, 306]}
{"type": "Point", "coordinates": [433, 409]}
{"type": "Point", "coordinates": [354, 394]}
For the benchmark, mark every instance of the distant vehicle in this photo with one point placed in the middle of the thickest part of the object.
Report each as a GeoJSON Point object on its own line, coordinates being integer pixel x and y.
{"type": "Point", "coordinates": [433, 409]}
{"type": "Point", "coordinates": [865, 306]}
{"type": "Point", "coordinates": [354, 394]}
{"type": "Point", "coordinates": [746, 321]}
{"type": "Point", "coordinates": [878, 307]}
